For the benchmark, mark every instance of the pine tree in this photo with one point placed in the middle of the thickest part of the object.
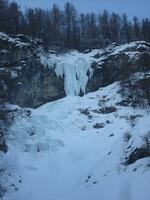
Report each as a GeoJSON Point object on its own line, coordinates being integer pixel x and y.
{"type": "Point", "coordinates": [126, 30]}
{"type": "Point", "coordinates": [136, 29]}
{"type": "Point", "coordinates": [115, 27]}
{"type": "Point", "coordinates": [70, 15]}
{"type": "Point", "coordinates": [105, 27]}
{"type": "Point", "coordinates": [14, 18]}
{"type": "Point", "coordinates": [146, 29]}
{"type": "Point", "coordinates": [4, 16]}
{"type": "Point", "coordinates": [56, 20]}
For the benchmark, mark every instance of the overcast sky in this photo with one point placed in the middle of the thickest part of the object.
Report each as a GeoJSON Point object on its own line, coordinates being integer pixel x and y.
{"type": "Point", "coordinates": [140, 8]}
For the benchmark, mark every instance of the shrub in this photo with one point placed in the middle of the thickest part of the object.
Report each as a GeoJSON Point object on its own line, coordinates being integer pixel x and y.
{"type": "Point", "coordinates": [127, 136]}
{"type": "Point", "coordinates": [99, 125]}
{"type": "Point", "coordinates": [3, 174]}
{"type": "Point", "coordinates": [107, 110]}
{"type": "Point", "coordinates": [146, 141]}
{"type": "Point", "coordinates": [84, 111]}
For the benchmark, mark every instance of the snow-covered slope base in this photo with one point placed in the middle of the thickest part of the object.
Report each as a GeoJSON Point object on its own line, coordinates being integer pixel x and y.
{"type": "Point", "coordinates": [71, 150]}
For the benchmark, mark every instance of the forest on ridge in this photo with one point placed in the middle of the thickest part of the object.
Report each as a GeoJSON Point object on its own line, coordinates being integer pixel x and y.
{"type": "Point", "coordinates": [67, 28]}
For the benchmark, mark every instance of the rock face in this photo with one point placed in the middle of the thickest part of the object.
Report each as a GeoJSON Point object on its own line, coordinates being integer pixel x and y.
{"type": "Point", "coordinates": [116, 63]}
{"type": "Point", "coordinates": [24, 80]}
{"type": "Point", "coordinates": [137, 154]}
{"type": "Point", "coordinates": [3, 146]}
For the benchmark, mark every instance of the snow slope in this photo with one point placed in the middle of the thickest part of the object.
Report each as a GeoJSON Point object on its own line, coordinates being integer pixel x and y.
{"type": "Point", "coordinates": [60, 154]}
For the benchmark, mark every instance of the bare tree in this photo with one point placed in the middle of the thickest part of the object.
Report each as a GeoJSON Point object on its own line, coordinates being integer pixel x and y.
{"type": "Point", "coordinates": [146, 140]}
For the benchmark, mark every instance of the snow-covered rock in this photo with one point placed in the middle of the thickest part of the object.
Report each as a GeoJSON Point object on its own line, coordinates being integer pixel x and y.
{"type": "Point", "coordinates": [118, 62]}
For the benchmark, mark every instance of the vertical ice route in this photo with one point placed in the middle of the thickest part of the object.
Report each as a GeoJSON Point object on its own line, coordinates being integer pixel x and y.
{"type": "Point", "coordinates": [74, 67]}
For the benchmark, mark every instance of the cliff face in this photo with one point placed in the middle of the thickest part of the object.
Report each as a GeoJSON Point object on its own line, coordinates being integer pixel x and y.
{"type": "Point", "coordinates": [116, 63]}
{"type": "Point", "coordinates": [24, 80]}
{"type": "Point", "coordinates": [27, 81]}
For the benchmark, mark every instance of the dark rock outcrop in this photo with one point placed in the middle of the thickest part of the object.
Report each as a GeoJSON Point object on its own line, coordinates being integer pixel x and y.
{"type": "Point", "coordinates": [23, 79]}
{"type": "Point", "coordinates": [137, 154]}
{"type": "Point", "coordinates": [116, 63]}
{"type": "Point", "coordinates": [99, 125]}
{"type": "Point", "coordinates": [3, 146]}
{"type": "Point", "coordinates": [135, 90]}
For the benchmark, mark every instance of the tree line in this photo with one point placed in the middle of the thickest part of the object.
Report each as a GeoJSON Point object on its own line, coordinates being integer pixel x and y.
{"type": "Point", "coordinates": [66, 28]}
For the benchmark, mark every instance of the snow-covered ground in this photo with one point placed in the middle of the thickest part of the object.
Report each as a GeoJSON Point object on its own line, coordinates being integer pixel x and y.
{"type": "Point", "coordinates": [69, 150]}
